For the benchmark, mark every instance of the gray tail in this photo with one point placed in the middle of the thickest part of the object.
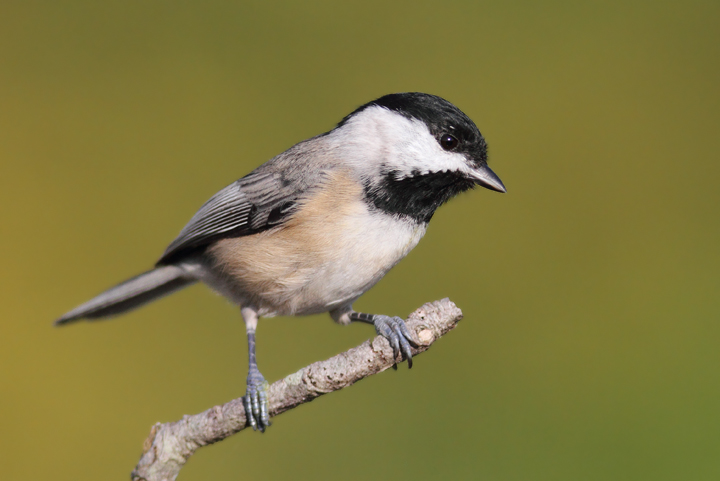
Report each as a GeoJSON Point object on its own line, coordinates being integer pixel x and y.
{"type": "Point", "coordinates": [130, 294]}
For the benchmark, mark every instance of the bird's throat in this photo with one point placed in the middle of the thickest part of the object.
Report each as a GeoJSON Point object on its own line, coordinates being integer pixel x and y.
{"type": "Point", "coordinates": [416, 197]}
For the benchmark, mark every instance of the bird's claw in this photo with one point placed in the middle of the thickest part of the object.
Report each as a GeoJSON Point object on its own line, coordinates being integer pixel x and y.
{"type": "Point", "coordinates": [398, 335]}
{"type": "Point", "coordinates": [256, 401]}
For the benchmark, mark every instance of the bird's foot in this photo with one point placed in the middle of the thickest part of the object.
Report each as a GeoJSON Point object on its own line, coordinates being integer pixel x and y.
{"type": "Point", "coordinates": [256, 401]}
{"type": "Point", "coordinates": [398, 335]}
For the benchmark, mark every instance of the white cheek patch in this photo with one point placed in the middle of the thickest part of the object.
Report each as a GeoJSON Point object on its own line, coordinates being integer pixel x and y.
{"type": "Point", "coordinates": [378, 138]}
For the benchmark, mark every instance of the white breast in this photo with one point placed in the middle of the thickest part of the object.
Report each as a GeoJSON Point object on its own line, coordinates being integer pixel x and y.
{"type": "Point", "coordinates": [366, 246]}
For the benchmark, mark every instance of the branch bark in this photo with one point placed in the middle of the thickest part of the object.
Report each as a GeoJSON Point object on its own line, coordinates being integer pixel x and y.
{"type": "Point", "coordinates": [170, 445]}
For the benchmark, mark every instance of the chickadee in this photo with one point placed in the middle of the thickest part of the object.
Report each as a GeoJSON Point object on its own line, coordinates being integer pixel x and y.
{"type": "Point", "coordinates": [314, 228]}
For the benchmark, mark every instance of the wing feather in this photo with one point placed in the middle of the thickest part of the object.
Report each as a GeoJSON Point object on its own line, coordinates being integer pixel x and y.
{"type": "Point", "coordinates": [242, 208]}
{"type": "Point", "coordinates": [262, 200]}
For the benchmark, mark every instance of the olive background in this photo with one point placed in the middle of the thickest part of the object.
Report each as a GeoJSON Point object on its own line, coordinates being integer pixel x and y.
{"type": "Point", "coordinates": [589, 348]}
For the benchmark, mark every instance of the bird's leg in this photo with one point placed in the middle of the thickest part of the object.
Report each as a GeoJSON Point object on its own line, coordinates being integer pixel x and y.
{"type": "Point", "coordinates": [256, 399]}
{"type": "Point", "coordinates": [391, 328]}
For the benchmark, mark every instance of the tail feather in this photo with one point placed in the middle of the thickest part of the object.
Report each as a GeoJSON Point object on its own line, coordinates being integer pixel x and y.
{"type": "Point", "coordinates": [130, 294]}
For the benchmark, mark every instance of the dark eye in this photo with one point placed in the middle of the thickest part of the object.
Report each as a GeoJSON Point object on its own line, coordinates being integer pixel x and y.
{"type": "Point", "coordinates": [448, 142]}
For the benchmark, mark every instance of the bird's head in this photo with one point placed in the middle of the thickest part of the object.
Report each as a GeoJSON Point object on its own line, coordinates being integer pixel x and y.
{"type": "Point", "coordinates": [414, 151]}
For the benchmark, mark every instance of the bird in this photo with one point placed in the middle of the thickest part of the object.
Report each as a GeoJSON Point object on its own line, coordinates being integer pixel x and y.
{"type": "Point", "coordinates": [315, 227]}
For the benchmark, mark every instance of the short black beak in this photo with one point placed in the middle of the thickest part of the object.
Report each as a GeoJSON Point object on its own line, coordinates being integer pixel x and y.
{"type": "Point", "coordinates": [484, 176]}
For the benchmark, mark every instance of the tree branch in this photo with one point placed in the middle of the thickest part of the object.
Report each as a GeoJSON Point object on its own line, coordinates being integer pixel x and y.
{"type": "Point", "coordinates": [170, 445]}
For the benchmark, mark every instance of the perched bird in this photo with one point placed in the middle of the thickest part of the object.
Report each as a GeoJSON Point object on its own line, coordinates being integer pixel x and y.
{"type": "Point", "coordinates": [314, 228]}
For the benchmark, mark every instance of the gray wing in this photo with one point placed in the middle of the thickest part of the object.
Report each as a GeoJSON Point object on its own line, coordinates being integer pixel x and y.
{"type": "Point", "coordinates": [252, 204]}
{"type": "Point", "coordinates": [263, 199]}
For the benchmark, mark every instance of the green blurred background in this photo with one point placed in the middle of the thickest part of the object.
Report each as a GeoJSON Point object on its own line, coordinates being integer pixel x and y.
{"type": "Point", "coordinates": [589, 349]}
